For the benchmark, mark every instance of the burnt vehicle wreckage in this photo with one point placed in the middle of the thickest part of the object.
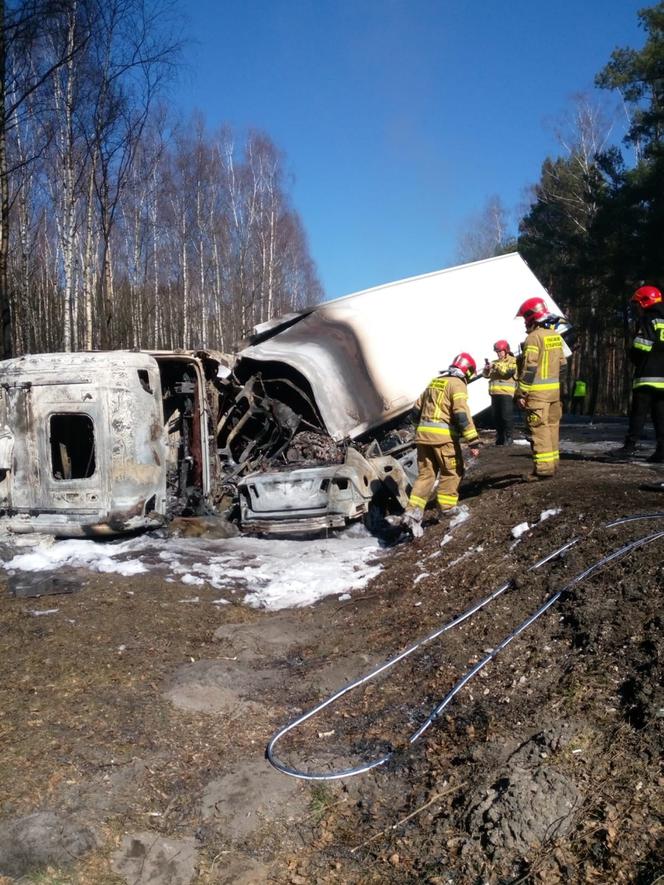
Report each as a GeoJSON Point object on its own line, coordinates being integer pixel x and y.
{"type": "Point", "coordinates": [305, 429]}
{"type": "Point", "coordinates": [111, 442]}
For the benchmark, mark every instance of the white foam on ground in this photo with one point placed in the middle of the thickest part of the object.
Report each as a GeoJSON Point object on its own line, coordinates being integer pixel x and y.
{"type": "Point", "coordinates": [96, 556]}
{"type": "Point", "coordinates": [270, 574]}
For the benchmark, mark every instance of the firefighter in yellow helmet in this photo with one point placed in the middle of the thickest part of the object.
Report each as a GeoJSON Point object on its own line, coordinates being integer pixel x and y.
{"type": "Point", "coordinates": [444, 422]}
{"type": "Point", "coordinates": [538, 386]}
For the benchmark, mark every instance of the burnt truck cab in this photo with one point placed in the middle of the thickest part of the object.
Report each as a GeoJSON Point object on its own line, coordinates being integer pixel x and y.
{"type": "Point", "coordinates": [101, 443]}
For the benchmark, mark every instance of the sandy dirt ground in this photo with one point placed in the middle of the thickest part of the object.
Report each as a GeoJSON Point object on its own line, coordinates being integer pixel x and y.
{"type": "Point", "coordinates": [133, 724]}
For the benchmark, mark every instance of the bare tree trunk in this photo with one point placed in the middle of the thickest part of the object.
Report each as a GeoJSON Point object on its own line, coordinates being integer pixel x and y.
{"type": "Point", "coordinates": [5, 310]}
{"type": "Point", "coordinates": [185, 284]}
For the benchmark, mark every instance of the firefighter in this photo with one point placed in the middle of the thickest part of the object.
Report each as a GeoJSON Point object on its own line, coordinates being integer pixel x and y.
{"type": "Point", "coordinates": [647, 355]}
{"type": "Point", "coordinates": [444, 422]}
{"type": "Point", "coordinates": [502, 386]}
{"type": "Point", "coordinates": [538, 385]}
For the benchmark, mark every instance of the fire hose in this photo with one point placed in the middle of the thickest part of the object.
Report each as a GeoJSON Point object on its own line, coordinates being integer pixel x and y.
{"type": "Point", "coordinates": [616, 554]}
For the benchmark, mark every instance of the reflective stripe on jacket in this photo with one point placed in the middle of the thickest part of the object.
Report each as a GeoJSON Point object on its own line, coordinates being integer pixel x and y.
{"type": "Point", "coordinates": [444, 412]}
{"type": "Point", "coordinates": [647, 351]}
{"type": "Point", "coordinates": [502, 376]}
{"type": "Point", "coordinates": [542, 361]}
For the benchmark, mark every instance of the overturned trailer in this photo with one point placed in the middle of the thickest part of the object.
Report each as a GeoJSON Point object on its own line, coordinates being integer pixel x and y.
{"type": "Point", "coordinates": [353, 368]}
{"type": "Point", "coordinates": [303, 430]}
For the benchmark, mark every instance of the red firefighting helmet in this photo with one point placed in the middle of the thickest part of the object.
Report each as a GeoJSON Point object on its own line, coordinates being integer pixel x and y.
{"type": "Point", "coordinates": [533, 310]}
{"type": "Point", "coordinates": [502, 345]}
{"type": "Point", "coordinates": [465, 363]}
{"type": "Point", "coordinates": [647, 296]}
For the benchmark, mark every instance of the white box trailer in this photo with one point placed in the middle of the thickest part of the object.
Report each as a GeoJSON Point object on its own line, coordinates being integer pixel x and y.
{"type": "Point", "coordinates": [362, 361]}
{"type": "Point", "coordinates": [368, 356]}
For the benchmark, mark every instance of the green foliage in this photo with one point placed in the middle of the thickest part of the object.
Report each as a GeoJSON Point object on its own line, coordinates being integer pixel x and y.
{"type": "Point", "coordinates": [639, 77]}
{"type": "Point", "coordinates": [595, 229]}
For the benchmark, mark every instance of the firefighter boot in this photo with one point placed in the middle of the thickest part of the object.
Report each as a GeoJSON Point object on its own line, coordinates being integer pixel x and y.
{"type": "Point", "coordinates": [626, 451]}
{"type": "Point", "coordinates": [412, 521]}
{"type": "Point", "coordinates": [537, 477]}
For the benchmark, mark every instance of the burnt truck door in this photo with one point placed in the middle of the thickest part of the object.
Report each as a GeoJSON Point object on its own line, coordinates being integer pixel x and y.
{"type": "Point", "coordinates": [55, 447]}
{"type": "Point", "coordinates": [89, 443]}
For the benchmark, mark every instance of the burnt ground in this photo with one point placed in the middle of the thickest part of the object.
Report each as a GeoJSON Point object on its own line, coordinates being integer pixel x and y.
{"type": "Point", "coordinates": [133, 726]}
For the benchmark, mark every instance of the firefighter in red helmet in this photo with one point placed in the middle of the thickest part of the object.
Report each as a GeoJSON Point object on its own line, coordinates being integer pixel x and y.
{"type": "Point", "coordinates": [501, 373]}
{"type": "Point", "coordinates": [647, 355]}
{"type": "Point", "coordinates": [538, 385]}
{"type": "Point", "coordinates": [444, 422]}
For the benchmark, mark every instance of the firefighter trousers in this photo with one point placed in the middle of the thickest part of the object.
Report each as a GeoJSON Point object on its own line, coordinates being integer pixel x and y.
{"type": "Point", "coordinates": [443, 462]}
{"type": "Point", "coordinates": [503, 417]}
{"type": "Point", "coordinates": [543, 423]}
{"type": "Point", "coordinates": [646, 399]}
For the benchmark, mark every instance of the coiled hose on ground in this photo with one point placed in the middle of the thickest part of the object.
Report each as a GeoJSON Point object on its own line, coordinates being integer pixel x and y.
{"type": "Point", "coordinates": [473, 671]}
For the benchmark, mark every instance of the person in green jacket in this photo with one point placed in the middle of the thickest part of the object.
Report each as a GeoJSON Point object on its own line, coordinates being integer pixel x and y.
{"type": "Point", "coordinates": [579, 392]}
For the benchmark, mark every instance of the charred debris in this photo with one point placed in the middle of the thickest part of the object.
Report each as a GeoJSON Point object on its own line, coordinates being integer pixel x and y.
{"type": "Point", "coordinates": [110, 442]}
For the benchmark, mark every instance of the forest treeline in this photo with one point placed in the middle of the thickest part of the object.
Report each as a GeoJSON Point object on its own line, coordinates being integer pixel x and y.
{"type": "Point", "coordinates": [594, 229]}
{"type": "Point", "coordinates": [120, 226]}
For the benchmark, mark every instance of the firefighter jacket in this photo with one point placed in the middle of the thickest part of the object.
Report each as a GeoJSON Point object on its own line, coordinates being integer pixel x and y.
{"type": "Point", "coordinates": [444, 413]}
{"type": "Point", "coordinates": [647, 351]}
{"type": "Point", "coordinates": [541, 363]}
{"type": "Point", "coordinates": [502, 376]}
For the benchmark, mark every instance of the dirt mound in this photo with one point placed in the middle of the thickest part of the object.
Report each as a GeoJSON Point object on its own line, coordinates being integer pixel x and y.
{"type": "Point", "coordinates": [147, 719]}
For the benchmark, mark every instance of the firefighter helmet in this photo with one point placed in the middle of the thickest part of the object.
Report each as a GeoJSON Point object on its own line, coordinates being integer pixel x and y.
{"type": "Point", "coordinates": [533, 310]}
{"type": "Point", "coordinates": [502, 345]}
{"type": "Point", "coordinates": [647, 296]}
{"type": "Point", "coordinates": [466, 364]}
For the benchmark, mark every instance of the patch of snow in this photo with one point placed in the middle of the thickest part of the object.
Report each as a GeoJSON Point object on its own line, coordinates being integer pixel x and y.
{"type": "Point", "coordinates": [344, 597]}
{"type": "Point", "coordinates": [598, 446]}
{"type": "Point", "coordinates": [420, 577]}
{"type": "Point", "coordinates": [193, 599]}
{"type": "Point", "coordinates": [545, 514]}
{"type": "Point", "coordinates": [520, 529]}
{"type": "Point", "coordinates": [36, 613]}
{"type": "Point", "coordinates": [470, 552]}
{"type": "Point", "coordinates": [192, 579]}
{"type": "Point", "coordinates": [221, 601]}
{"type": "Point", "coordinates": [462, 514]}
{"type": "Point", "coordinates": [521, 442]}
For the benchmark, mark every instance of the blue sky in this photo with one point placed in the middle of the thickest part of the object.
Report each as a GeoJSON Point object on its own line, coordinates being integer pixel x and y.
{"type": "Point", "coordinates": [398, 118]}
